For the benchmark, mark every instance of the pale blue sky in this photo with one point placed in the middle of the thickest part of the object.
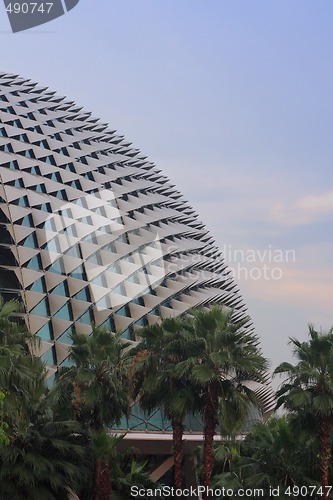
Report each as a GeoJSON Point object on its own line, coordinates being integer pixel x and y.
{"type": "Point", "coordinates": [232, 99]}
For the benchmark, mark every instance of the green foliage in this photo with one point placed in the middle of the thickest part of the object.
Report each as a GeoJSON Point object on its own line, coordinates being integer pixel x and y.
{"type": "Point", "coordinates": [4, 439]}
{"type": "Point", "coordinates": [156, 382]}
{"type": "Point", "coordinates": [224, 356]}
{"type": "Point", "coordinates": [96, 392]}
{"type": "Point", "coordinates": [278, 453]}
{"type": "Point", "coordinates": [50, 439]}
{"type": "Point", "coordinates": [154, 369]}
{"type": "Point", "coordinates": [40, 457]}
{"type": "Point", "coordinates": [308, 390]}
{"type": "Point", "coordinates": [290, 451]}
{"type": "Point", "coordinates": [125, 471]}
{"type": "Point", "coordinates": [309, 384]}
{"type": "Point", "coordinates": [96, 387]}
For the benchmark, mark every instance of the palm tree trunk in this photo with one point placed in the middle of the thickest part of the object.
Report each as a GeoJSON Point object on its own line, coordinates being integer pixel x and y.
{"type": "Point", "coordinates": [325, 453]}
{"type": "Point", "coordinates": [210, 420]}
{"type": "Point", "coordinates": [177, 428]}
{"type": "Point", "coordinates": [102, 481]}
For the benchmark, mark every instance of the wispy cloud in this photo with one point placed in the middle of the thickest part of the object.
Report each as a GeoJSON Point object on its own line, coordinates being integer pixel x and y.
{"type": "Point", "coordinates": [305, 210]}
{"type": "Point", "coordinates": [304, 282]}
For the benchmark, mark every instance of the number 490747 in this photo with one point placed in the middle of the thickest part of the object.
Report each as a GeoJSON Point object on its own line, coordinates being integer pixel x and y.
{"type": "Point", "coordinates": [29, 7]}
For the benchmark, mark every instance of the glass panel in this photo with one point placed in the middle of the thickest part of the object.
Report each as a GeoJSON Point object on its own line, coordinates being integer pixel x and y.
{"type": "Point", "coordinates": [109, 325]}
{"type": "Point", "coordinates": [83, 295]}
{"type": "Point", "coordinates": [52, 246]}
{"type": "Point", "coordinates": [26, 221]}
{"type": "Point", "coordinates": [120, 290]}
{"type": "Point", "coordinates": [66, 336]}
{"type": "Point", "coordinates": [34, 263]}
{"type": "Point", "coordinates": [64, 313]}
{"type": "Point", "coordinates": [50, 381]}
{"type": "Point", "coordinates": [124, 311]}
{"type": "Point", "coordinates": [78, 273]}
{"type": "Point", "coordinates": [45, 333]}
{"type": "Point", "coordinates": [23, 202]}
{"type": "Point", "coordinates": [70, 230]}
{"type": "Point", "coordinates": [74, 252]}
{"type": "Point", "coordinates": [49, 357]}
{"type": "Point", "coordinates": [95, 259]}
{"type": "Point", "coordinates": [115, 268]}
{"type": "Point", "coordinates": [104, 303]}
{"type": "Point", "coordinates": [45, 207]}
{"type": "Point", "coordinates": [61, 289]}
{"type": "Point", "coordinates": [86, 220]}
{"type": "Point", "coordinates": [40, 188]}
{"type": "Point", "coordinates": [49, 225]}
{"type": "Point", "coordinates": [99, 280]}
{"type": "Point", "coordinates": [5, 236]}
{"type": "Point", "coordinates": [8, 280]}
{"type": "Point", "coordinates": [57, 267]}
{"type": "Point", "coordinates": [127, 334]}
{"type": "Point", "coordinates": [38, 286]}
{"type": "Point", "coordinates": [17, 183]}
{"type": "Point", "coordinates": [67, 363]}
{"type": "Point", "coordinates": [86, 318]}
{"type": "Point", "coordinates": [41, 309]}
{"type": "Point", "coordinates": [141, 322]}
{"type": "Point", "coordinates": [30, 241]}
{"type": "Point", "coordinates": [91, 238]}
{"type": "Point", "coordinates": [138, 300]}
{"type": "Point", "coordinates": [61, 194]}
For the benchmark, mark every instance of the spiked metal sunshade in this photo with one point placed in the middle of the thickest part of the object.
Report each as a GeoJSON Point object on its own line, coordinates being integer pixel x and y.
{"type": "Point", "coordinates": [90, 231]}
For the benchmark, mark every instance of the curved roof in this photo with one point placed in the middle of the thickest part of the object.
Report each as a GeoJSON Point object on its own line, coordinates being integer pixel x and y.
{"type": "Point", "coordinates": [91, 231]}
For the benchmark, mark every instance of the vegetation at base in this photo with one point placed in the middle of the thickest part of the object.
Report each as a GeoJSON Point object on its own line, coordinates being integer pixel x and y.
{"type": "Point", "coordinates": [294, 450]}
{"type": "Point", "coordinates": [60, 442]}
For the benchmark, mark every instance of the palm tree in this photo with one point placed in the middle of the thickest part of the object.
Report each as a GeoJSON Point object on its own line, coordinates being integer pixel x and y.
{"type": "Point", "coordinates": [44, 458]}
{"type": "Point", "coordinates": [276, 454]}
{"type": "Point", "coordinates": [224, 360]}
{"type": "Point", "coordinates": [41, 457]}
{"type": "Point", "coordinates": [162, 347]}
{"type": "Point", "coordinates": [20, 371]}
{"type": "Point", "coordinates": [98, 388]}
{"type": "Point", "coordinates": [309, 389]}
{"type": "Point", "coordinates": [11, 331]}
{"type": "Point", "coordinates": [126, 471]}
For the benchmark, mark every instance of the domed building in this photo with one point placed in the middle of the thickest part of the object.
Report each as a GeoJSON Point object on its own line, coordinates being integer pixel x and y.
{"type": "Point", "coordinates": [91, 232]}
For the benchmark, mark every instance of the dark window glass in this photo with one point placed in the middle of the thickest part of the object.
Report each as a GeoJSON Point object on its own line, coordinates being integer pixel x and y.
{"type": "Point", "coordinates": [45, 333]}
{"type": "Point", "coordinates": [49, 357]}
{"type": "Point", "coordinates": [41, 309]}
{"type": "Point", "coordinates": [38, 286]}
{"type": "Point", "coordinates": [61, 289]}
{"type": "Point", "coordinates": [57, 267]}
{"type": "Point", "coordinates": [30, 241]}
{"type": "Point", "coordinates": [64, 313]}
{"type": "Point", "coordinates": [86, 318]}
{"type": "Point", "coordinates": [79, 273]}
{"type": "Point", "coordinates": [35, 263]}
{"type": "Point", "coordinates": [83, 295]}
